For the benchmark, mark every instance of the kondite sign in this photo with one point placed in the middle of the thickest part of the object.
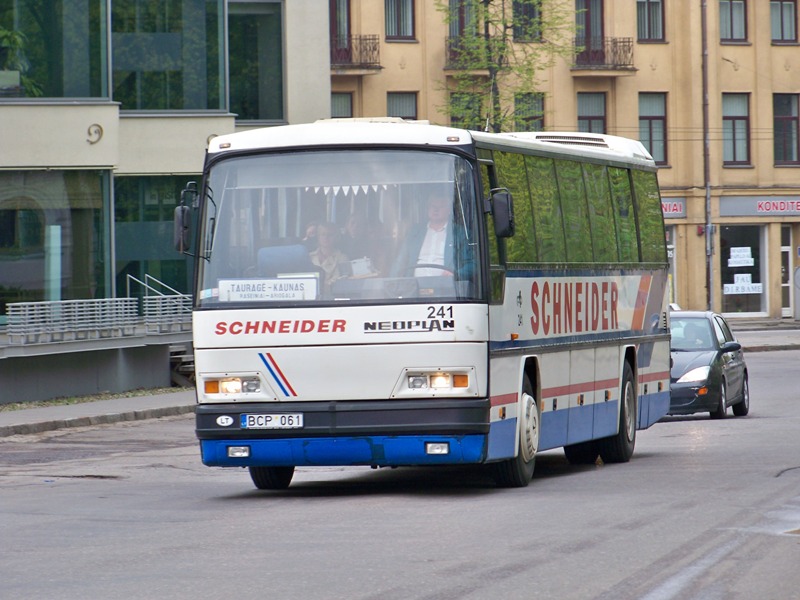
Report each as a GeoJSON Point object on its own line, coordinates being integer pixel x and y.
{"type": "Point", "coordinates": [759, 206]}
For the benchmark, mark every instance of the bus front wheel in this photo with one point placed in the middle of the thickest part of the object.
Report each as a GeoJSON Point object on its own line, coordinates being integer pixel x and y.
{"type": "Point", "coordinates": [271, 478]}
{"type": "Point", "coordinates": [518, 471]}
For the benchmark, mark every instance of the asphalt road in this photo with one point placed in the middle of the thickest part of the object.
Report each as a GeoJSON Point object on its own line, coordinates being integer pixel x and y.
{"type": "Point", "coordinates": [705, 510]}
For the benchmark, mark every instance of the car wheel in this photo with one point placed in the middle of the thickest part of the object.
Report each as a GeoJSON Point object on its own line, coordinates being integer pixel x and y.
{"type": "Point", "coordinates": [619, 448]}
{"type": "Point", "coordinates": [741, 408]}
{"type": "Point", "coordinates": [722, 407]}
{"type": "Point", "coordinates": [518, 471]}
{"type": "Point", "coordinates": [271, 478]}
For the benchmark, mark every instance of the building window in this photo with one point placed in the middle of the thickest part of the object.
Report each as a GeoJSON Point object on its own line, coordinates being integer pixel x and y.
{"type": "Point", "coordinates": [653, 125]}
{"type": "Point", "coordinates": [341, 105]}
{"type": "Point", "coordinates": [465, 111]}
{"type": "Point", "coordinates": [143, 210]}
{"type": "Point", "coordinates": [783, 20]}
{"type": "Point", "coordinates": [742, 268]}
{"type": "Point", "coordinates": [735, 129]}
{"type": "Point", "coordinates": [732, 20]}
{"type": "Point", "coordinates": [786, 133]}
{"type": "Point", "coordinates": [167, 54]}
{"type": "Point", "coordinates": [529, 112]}
{"type": "Point", "coordinates": [54, 49]}
{"type": "Point", "coordinates": [591, 112]}
{"type": "Point", "coordinates": [255, 61]}
{"type": "Point", "coordinates": [55, 243]}
{"type": "Point", "coordinates": [399, 19]}
{"type": "Point", "coordinates": [401, 104]}
{"type": "Point", "coordinates": [650, 20]}
{"type": "Point", "coordinates": [527, 21]}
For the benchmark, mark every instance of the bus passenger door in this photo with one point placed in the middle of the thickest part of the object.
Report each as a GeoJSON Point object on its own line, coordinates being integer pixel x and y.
{"type": "Point", "coordinates": [581, 396]}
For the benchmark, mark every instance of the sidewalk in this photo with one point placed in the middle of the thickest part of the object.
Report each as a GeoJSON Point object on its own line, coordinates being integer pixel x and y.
{"type": "Point", "coordinates": [755, 336]}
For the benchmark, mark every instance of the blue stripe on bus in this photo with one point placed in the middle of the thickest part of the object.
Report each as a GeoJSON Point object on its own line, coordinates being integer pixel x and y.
{"type": "Point", "coordinates": [366, 450]}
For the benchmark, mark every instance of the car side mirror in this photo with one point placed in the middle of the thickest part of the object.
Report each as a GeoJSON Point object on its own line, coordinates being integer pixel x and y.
{"type": "Point", "coordinates": [503, 213]}
{"type": "Point", "coordinates": [730, 347]}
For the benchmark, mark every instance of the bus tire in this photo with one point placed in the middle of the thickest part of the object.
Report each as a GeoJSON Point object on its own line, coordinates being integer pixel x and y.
{"type": "Point", "coordinates": [271, 478]}
{"type": "Point", "coordinates": [619, 448]}
{"type": "Point", "coordinates": [518, 471]}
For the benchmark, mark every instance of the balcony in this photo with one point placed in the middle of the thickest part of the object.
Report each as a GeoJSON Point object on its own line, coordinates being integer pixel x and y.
{"type": "Point", "coordinates": [603, 57]}
{"type": "Point", "coordinates": [355, 55]}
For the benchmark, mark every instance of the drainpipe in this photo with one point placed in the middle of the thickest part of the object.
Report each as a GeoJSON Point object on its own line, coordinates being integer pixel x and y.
{"type": "Point", "coordinates": [709, 228]}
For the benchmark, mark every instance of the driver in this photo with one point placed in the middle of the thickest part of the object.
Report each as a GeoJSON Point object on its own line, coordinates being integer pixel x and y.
{"type": "Point", "coordinates": [430, 244]}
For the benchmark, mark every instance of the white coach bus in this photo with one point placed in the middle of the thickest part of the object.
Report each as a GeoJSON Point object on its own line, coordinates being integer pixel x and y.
{"type": "Point", "coordinates": [390, 293]}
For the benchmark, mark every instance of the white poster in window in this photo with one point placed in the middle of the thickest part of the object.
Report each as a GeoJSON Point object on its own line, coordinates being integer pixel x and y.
{"type": "Point", "coordinates": [741, 257]}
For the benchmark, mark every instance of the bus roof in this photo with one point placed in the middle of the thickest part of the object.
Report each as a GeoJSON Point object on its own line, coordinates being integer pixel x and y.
{"type": "Point", "coordinates": [387, 131]}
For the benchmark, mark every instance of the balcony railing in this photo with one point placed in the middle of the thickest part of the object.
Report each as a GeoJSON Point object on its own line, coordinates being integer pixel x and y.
{"type": "Point", "coordinates": [356, 51]}
{"type": "Point", "coordinates": [603, 53]}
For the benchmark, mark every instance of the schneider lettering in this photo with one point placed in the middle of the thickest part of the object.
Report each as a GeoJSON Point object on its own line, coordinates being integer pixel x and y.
{"type": "Point", "coordinates": [409, 326]}
{"type": "Point", "coordinates": [287, 326]}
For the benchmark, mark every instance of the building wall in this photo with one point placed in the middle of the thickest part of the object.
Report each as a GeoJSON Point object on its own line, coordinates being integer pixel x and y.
{"type": "Point", "coordinates": [756, 67]}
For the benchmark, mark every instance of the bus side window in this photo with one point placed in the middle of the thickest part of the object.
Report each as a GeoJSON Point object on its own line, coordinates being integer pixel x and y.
{"type": "Point", "coordinates": [497, 272]}
{"type": "Point", "coordinates": [547, 217]}
{"type": "Point", "coordinates": [521, 248]}
{"type": "Point", "coordinates": [650, 217]}
{"type": "Point", "coordinates": [601, 216]}
{"type": "Point", "coordinates": [576, 214]}
{"type": "Point", "coordinates": [625, 216]}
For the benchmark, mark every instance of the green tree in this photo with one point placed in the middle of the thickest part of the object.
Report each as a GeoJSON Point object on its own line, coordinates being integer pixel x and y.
{"type": "Point", "coordinates": [496, 50]}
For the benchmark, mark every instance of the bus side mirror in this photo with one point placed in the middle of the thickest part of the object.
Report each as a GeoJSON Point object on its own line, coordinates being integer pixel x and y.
{"type": "Point", "coordinates": [503, 213]}
{"type": "Point", "coordinates": [181, 232]}
{"type": "Point", "coordinates": [181, 228]}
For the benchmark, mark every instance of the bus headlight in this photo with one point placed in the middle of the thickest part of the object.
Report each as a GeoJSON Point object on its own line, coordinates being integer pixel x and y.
{"type": "Point", "coordinates": [232, 385]}
{"type": "Point", "coordinates": [439, 381]}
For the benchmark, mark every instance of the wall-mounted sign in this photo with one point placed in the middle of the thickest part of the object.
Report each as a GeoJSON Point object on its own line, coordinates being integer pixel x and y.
{"type": "Point", "coordinates": [759, 206]}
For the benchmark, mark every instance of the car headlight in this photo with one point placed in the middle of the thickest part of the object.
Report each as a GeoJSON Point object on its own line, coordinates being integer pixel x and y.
{"type": "Point", "coordinates": [698, 375]}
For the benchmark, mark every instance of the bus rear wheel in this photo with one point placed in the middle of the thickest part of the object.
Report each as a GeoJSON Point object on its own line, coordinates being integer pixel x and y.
{"type": "Point", "coordinates": [271, 478]}
{"type": "Point", "coordinates": [518, 471]}
{"type": "Point", "coordinates": [619, 448]}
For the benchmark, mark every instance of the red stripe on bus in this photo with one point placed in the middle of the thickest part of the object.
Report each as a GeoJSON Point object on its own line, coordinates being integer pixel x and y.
{"type": "Point", "coordinates": [504, 399]}
{"type": "Point", "coordinates": [646, 377]}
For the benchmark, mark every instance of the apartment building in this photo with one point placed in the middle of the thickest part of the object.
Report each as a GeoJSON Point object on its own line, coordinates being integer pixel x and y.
{"type": "Point", "coordinates": [106, 106]}
{"type": "Point", "coordinates": [724, 130]}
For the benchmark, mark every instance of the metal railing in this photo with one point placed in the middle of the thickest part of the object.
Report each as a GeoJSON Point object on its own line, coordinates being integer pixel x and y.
{"type": "Point", "coordinates": [71, 320]}
{"type": "Point", "coordinates": [167, 314]}
{"type": "Point", "coordinates": [89, 319]}
{"type": "Point", "coordinates": [355, 51]}
{"type": "Point", "coordinates": [603, 53]}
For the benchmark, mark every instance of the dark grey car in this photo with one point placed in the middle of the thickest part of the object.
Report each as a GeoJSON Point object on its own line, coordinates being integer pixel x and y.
{"type": "Point", "coordinates": [709, 372]}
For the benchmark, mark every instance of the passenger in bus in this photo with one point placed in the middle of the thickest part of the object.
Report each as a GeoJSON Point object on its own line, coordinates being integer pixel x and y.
{"type": "Point", "coordinates": [328, 256]}
{"type": "Point", "coordinates": [434, 243]}
{"type": "Point", "coordinates": [310, 238]}
{"type": "Point", "coordinates": [362, 242]}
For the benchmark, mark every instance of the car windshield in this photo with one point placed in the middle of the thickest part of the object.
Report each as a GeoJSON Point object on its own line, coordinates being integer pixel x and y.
{"type": "Point", "coordinates": [690, 334]}
{"type": "Point", "coordinates": [336, 226]}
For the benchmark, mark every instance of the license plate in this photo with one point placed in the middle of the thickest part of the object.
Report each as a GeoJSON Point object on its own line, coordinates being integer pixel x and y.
{"type": "Point", "coordinates": [273, 421]}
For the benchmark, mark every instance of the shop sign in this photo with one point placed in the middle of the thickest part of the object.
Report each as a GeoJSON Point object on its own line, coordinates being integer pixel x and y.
{"type": "Point", "coordinates": [673, 208]}
{"type": "Point", "coordinates": [742, 284]}
{"type": "Point", "coordinates": [759, 206]}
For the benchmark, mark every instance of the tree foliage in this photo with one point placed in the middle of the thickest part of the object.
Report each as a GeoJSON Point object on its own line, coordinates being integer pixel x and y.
{"type": "Point", "coordinates": [497, 49]}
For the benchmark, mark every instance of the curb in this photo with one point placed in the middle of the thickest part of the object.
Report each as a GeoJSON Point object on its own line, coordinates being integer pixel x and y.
{"type": "Point", "coordinates": [135, 415]}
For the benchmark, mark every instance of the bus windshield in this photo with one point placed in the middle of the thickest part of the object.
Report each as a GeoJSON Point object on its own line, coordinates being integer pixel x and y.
{"type": "Point", "coordinates": [339, 225]}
